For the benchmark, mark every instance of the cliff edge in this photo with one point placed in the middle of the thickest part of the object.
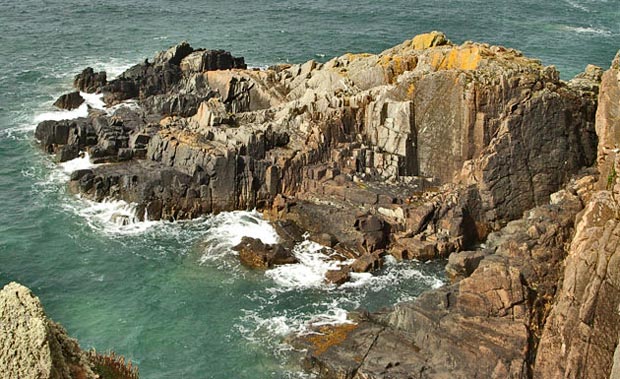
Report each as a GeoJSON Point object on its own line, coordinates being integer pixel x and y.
{"type": "Point", "coordinates": [33, 346]}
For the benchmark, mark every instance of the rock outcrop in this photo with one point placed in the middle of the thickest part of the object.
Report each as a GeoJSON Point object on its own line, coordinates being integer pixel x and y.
{"type": "Point", "coordinates": [428, 149]}
{"type": "Point", "coordinates": [442, 143]}
{"type": "Point", "coordinates": [583, 328]}
{"type": "Point", "coordinates": [69, 101]}
{"type": "Point", "coordinates": [539, 299]}
{"type": "Point", "coordinates": [34, 347]}
{"type": "Point", "coordinates": [255, 254]}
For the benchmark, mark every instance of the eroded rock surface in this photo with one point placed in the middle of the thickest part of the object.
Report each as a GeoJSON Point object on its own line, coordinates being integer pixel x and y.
{"type": "Point", "coordinates": [539, 299]}
{"type": "Point", "coordinates": [361, 131]}
{"type": "Point", "coordinates": [31, 345]}
{"type": "Point", "coordinates": [426, 149]}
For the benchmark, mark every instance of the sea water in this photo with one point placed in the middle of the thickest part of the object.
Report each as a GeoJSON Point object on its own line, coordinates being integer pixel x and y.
{"type": "Point", "coordinates": [172, 297]}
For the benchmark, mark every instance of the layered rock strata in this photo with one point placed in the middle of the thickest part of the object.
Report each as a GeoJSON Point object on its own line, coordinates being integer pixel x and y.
{"type": "Point", "coordinates": [539, 299]}
{"type": "Point", "coordinates": [441, 143]}
{"type": "Point", "coordinates": [425, 150]}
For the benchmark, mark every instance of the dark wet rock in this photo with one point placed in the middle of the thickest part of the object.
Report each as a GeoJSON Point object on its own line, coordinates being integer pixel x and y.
{"type": "Point", "coordinates": [254, 253]}
{"type": "Point", "coordinates": [290, 233]}
{"type": "Point", "coordinates": [90, 81]}
{"type": "Point", "coordinates": [338, 277]}
{"type": "Point", "coordinates": [210, 60]}
{"type": "Point", "coordinates": [69, 101]}
{"type": "Point", "coordinates": [174, 55]}
{"type": "Point", "coordinates": [366, 263]}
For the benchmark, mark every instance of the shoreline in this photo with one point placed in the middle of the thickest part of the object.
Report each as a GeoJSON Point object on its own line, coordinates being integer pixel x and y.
{"type": "Point", "coordinates": [354, 187]}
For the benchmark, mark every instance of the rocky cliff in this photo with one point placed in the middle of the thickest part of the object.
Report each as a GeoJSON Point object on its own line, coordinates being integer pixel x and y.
{"type": "Point", "coordinates": [33, 346]}
{"type": "Point", "coordinates": [368, 135]}
{"type": "Point", "coordinates": [428, 149]}
{"type": "Point", "coordinates": [538, 300]}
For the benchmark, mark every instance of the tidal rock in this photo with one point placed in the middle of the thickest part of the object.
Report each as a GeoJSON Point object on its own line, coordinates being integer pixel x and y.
{"type": "Point", "coordinates": [90, 81]}
{"type": "Point", "coordinates": [255, 254]}
{"type": "Point", "coordinates": [69, 101]}
{"type": "Point", "coordinates": [338, 277]}
{"type": "Point", "coordinates": [367, 262]}
{"type": "Point", "coordinates": [31, 345]}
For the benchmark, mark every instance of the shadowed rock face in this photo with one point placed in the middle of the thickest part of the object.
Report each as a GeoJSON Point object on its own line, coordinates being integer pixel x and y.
{"type": "Point", "coordinates": [583, 329]}
{"type": "Point", "coordinates": [31, 345]}
{"type": "Point", "coordinates": [491, 132]}
{"type": "Point", "coordinates": [420, 151]}
{"type": "Point", "coordinates": [540, 299]}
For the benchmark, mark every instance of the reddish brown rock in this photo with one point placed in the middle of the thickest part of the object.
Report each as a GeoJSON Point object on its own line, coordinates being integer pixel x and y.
{"type": "Point", "coordinates": [69, 101]}
{"type": "Point", "coordinates": [254, 253]}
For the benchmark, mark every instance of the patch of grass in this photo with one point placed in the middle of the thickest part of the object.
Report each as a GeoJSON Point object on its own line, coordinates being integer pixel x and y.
{"type": "Point", "coordinates": [112, 366]}
{"type": "Point", "coordinates": [611, 178]}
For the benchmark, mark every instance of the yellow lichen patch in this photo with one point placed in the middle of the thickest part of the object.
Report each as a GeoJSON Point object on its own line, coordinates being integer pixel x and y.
{"type": "Point", "coordinates": [394, 65]}
{"type": "Point", "coordinates": [330, 335]}
{"type": "Point", "coordinates": [428, 40]}
{"type": "Point", "coordinates": [461, 58]}
{"type": "Point", "coordinates": [410, 90]}
{"type": "Point", "coordinates": [355, 56]}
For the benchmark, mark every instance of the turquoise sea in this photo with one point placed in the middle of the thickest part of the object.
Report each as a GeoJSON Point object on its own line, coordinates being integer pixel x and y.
{"type": "Point", "coordinates": [172, 297]}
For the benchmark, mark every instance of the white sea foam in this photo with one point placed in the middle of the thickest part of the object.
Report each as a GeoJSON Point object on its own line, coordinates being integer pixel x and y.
{"type": "Point", "coordinates": [90, 100]}
{"type": "Point", "coordinates": [588, 30]}
{"type": "Point", "coordinates": [309, 272]}
{"type": "Point", "coordinates": [79, 163]}
{"type": "Point", "coordinates": [226, 230]}
{"type": "Point", "coordinates": [110, 216]}
{"type": "Point", "coordinates": [577, 5]}
{"type": "Point", "coordinates": [113, 67]}
{"type": "Point", "coordinates": [57, 115]}
{"type": "Point", "coordinates": [394, 274]}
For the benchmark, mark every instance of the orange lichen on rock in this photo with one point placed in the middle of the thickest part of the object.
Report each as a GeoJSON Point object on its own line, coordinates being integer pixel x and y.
{"type": "Point", "coordinates": [395, 65]}
{"type": "Point", "coordinates": [355, 56]}
{"type": "Point", "coordinates": [460, 58]}
{"type": "Point", "coordinates": [329, 336]}
{"type": "Point", "coordinates": [428, 40]}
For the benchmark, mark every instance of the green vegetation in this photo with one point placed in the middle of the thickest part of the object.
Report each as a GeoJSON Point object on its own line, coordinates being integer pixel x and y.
{"type": "Point", "coordinates": [611, 178]}
{"type": "Point", "coordinates": [112, 366]}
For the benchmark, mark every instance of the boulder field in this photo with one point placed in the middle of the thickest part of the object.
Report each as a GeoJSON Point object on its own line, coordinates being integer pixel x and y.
{"type": "Point", "coordinates": [426, 150]}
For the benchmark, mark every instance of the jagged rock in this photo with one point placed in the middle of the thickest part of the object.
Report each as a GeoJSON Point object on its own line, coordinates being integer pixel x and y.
{"type": "Point", "coordinates": [255, 130]}
{"type": "Point", "coordinates": [90, 81]}
{"type": "Point", "coordinates": [608, 123]}
{"type": "Point", "coordinates": [31, 345]}
{"type": "Point", "coordinates": [482, 326]}
{"type": "Point", "coordinates": [69, 101]}
{"type": "Point", "coordinates": [210, 60]}
{"type": "Point", "coordinates": [255, 254]}
{"type": "Point", "coordinates": [444, 145]}
{"type": "Point", "coordinates": [367, 262]}
{"type": "Point", "coordinates": [339, 276]}
{"type": "Point", "coordinates": [174, 55]}
{"type": "Point", "coordinates": [582, 330]}
{"type": "Point", "coordinates": [463, 264]}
